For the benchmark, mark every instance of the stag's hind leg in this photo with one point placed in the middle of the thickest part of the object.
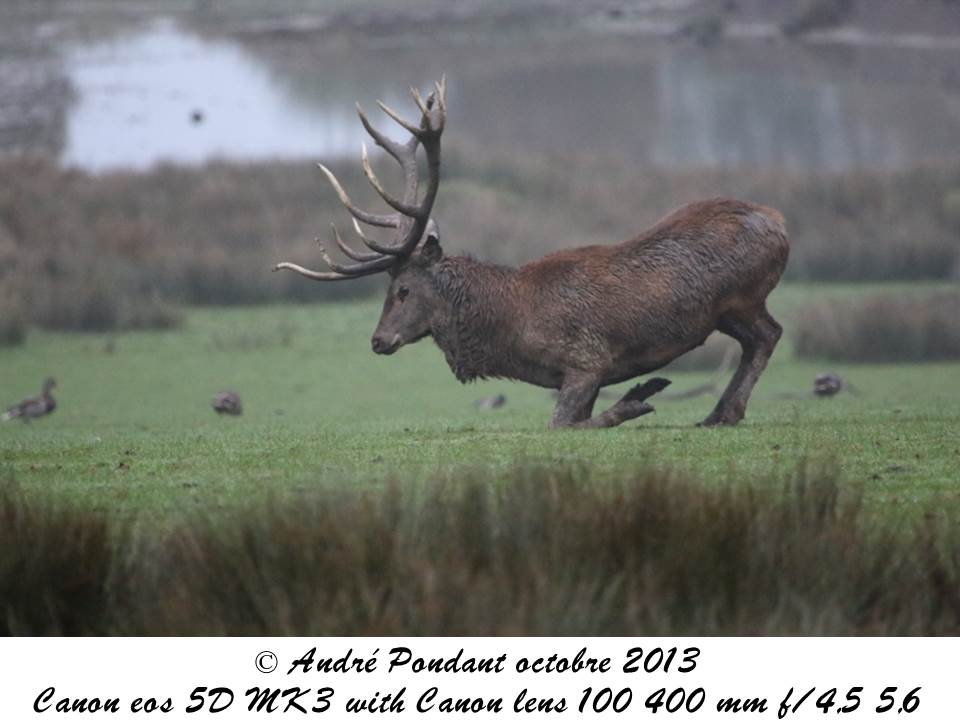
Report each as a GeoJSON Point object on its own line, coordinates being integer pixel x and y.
{"type": "Point", "coordinates": [758, 333]}
{"type": "Point", "coordinates": [578, 395]}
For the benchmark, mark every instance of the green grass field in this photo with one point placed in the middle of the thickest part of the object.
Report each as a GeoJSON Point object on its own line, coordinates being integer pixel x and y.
{"type": "Point", "coordinates": [134, 431]}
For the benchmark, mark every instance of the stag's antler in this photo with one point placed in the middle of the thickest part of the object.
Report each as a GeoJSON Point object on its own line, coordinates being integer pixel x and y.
{"type": "Point", "coordinates": [411, 218]}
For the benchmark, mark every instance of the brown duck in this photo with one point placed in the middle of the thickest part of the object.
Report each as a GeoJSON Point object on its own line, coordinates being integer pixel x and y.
{"type": "Point", "coordinates": [227, 403]}
{"type": "Point", "coordinates": [33, 407]}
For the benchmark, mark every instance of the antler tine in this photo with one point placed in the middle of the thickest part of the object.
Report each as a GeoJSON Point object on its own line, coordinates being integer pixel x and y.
{"type": "Point", "coordinates": [434, 109]}
{"type": "Point", "coordinates": [406, 125]}
{"type": "Point", "coordinates": [399, 249]}
{"type": "Point", "coordinates": [358, 229]}
{"type": "Point", "coordinates": [418, 100]}
{"type": "Point", "coordinates": [357, 255]}
{"type": "Point", "coordinates": [336, 267]}
{"type": "Point", "coordinates": [379, 249]}
{"type": "Point", "coordinates": [355, 269]}
{"type": "Point", "coordinates": [378, 263]}
{"type": "Point", "coordinates": [398, 205]}
{"type": "Point", "coordinates": [412, 218]}
{"type": "Point", "coordinates": [371, 269]}
{"type": "Point", "coordinates": [390, 221]}
{"type": "Point", "coordinates": [401, 152]}
{"type": "Point", "coordinates": [441, 88]}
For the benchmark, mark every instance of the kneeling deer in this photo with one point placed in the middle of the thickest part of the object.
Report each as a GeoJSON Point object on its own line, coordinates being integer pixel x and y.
{"type": "Point", "coordinates": [579, 319]}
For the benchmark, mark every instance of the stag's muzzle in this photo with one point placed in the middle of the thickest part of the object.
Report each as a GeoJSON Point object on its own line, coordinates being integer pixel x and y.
{"type": "Point", "coordinates": [385, 346]}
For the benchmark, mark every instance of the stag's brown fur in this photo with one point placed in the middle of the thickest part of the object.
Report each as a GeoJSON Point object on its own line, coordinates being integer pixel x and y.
{"type": "Point", "coordinates": [581, 319]}
{"type": "Point", "coordinates": [576, 320]}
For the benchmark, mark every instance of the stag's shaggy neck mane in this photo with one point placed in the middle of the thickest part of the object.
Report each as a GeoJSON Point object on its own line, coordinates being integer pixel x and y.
{"type": "Point", "coordinates": [476, 329]}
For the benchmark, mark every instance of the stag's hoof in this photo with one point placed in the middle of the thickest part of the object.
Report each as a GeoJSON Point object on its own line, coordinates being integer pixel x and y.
{"type": "Point", "coordinates": [634, 403]}
{"type": "Point", "coordinates": [630, 409]}
{"type": "Point", "coordinates": [645, 390]}
{"type": "Point", "coordinates": [722, 418]}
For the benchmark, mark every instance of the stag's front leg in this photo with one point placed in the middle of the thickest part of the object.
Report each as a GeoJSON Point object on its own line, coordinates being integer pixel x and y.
{"type": "Point", "coordinates": [577, 396]}
{"type": "Point", "coordinates": [632, 405]}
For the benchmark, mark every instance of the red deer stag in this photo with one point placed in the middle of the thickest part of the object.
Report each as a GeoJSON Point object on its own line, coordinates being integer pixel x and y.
{"type": "Point", "coordinates": [575, 320]}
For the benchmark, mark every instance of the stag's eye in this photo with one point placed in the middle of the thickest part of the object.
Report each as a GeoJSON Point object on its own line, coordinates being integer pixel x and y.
{"type": "Point", "coordinates": [402, 293]}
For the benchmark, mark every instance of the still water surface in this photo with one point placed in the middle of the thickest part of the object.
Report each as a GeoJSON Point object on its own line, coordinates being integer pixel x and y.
{"type": "Point", "coordinates": [667, 104]}
{"type": "Point", "coordinates": [137, 95]}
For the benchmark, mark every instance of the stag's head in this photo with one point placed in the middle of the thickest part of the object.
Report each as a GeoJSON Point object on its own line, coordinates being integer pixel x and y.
{"type": "Point", "coordinates": [409, 256]}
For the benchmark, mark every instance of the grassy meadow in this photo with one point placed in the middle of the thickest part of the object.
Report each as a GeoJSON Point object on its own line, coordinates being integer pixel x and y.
{"type": "Point", "coordinates": [134, 432]}
{"type": "Point", "coordinates": [361, 494]}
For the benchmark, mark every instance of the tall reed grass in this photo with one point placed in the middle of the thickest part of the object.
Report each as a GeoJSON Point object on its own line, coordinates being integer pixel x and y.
{"type": "Point", "coordinates": [13, 317]}
{"type": "Point", "coordinates": [83, 246]}
{"type": "Point", "coordinates": [881, 328]}
{"type": "Point", "coordinates": [540, 550]}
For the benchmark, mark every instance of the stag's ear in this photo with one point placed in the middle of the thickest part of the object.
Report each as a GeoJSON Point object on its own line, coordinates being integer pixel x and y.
{"type": "Point", "coordinates": [430, 251]}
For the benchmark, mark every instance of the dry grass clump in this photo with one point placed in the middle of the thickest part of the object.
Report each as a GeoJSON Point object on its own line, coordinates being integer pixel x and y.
{"type": "Point", "coordinates": [882, 328]}
{"type": "Point", "coordinates": [85, 249]}
{"type": "Point", "coordinates": [548, 550]}
{"type": "Point", "coordinates": [551, 552]}
{"type": "Point", "coordinates": [120, 250]}
{"type": "Point", "coordinates": [13, 328]}
{"type": "Point", "coordinates": [13, 317]}
{"type": "Point", "coordinates": [870, 226]}
{"type": "Point", "coordinates": [55, 567]}
{"type": "Point", "coordinates": [149, 313]}
{"type": "Point", "coordinates": [76, 303]}
{"type": "Point", "coordinates": [90, 304]}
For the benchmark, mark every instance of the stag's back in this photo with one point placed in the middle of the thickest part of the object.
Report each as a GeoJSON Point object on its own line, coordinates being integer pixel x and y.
{"type": "Point", "coordinates": [715, 247]}
{"type": "Point", "coordinates": [668, 285]}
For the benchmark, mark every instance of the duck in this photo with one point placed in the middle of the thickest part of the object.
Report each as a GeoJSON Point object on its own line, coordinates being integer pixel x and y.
{"type": "Point", "coordinates": [227, 402]}
{"type": "Point", "coordinates": [827, 384]}
{"type": "Point", "coordinates": [33, 407]}
{"type": "Point", "coordinates": [491, 403]}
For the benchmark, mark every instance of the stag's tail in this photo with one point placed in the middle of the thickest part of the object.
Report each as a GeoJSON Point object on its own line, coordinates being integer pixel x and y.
{"type": "Point", "coordinates": [9, 415]}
